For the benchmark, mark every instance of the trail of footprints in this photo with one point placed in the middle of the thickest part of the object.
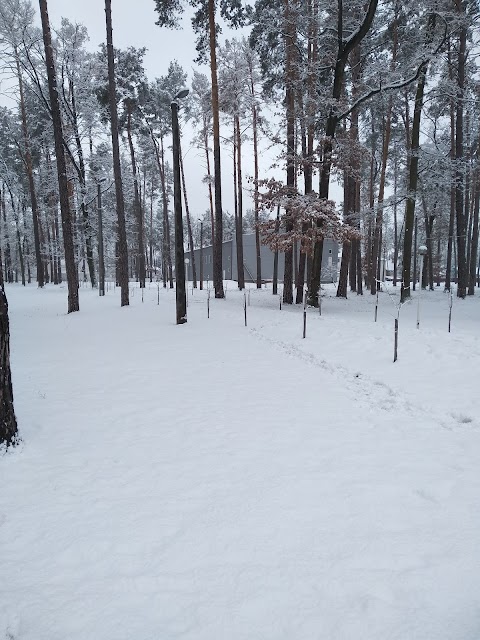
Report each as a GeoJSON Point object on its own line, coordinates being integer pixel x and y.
{"type": "Point", "coordinates": [368, 391]}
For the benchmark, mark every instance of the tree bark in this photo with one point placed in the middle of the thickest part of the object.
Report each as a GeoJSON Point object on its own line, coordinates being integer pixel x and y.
{"type": "Point", "coordinates": [189, 223]}
{"type": "Point", "coordinates": [460, 171]}
{"type": "Point", "coordinates": [8, 422]}
{"type": "Point", "coordinates": [239, 230]}
{"type": "Point", "coordinates": [474, 243]}
{"type": "Point", "coordinates": [413, 174]}
{"type": "Point", "coordinates": [137, 204]}
{"type": "Point", "coordinates": [117, 170]}
{"type": "Point", "coordinates": [289, 22]}
{"type": "Point", "coordinates": [31, 181]}
{"type": "Point", "coordinates": [72, 279]}
{"type": "Point", "coordinates": [218, 240]}
{"type": "Point", "coordinates": [344, 47]}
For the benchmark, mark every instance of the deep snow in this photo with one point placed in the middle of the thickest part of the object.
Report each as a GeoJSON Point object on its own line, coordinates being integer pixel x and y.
{"type": "Point", "coordinates": [211, 481]}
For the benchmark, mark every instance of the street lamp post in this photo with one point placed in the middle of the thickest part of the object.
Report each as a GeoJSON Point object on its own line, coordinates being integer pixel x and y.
{"type": "Point", "coordinates": [180, 290]}
{"type": "Point", "coordinates": [422, 252]}
{"type": "Point", "coordinates": [201, 255]}
{"type": "Point", "coordinates": [101, 258]}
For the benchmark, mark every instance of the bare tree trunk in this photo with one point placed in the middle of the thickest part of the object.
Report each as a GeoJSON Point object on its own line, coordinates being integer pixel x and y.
{"type": "Point", "coordinates": [8, 422]}
{"type": "Point", "coordinates": [31, 181]}
{"type": "Point", "coordinates": [189, 223]}
{"type": "Point", "coordinates": [395, 221]}
{"type": "Point", "coordinates": [137, 204]}
{"type": "Point", "coordinates": [239, 229]}
{"type": "Point", "coordinates": [289, 22]}
{"type": "Point", "coordinates": [210, 192]}
{"type": "Point", "coordinates": [72, 280]}
{"type": "Point", "coordinates": [460, 171]}
{"type": "Point", "coordinates": [112, 96]}
{"type": "Point", "coordinates": [83, 186]}
{"type": "Point", "coordinates": [275, 256]}
{"type": "Point", "coordinates": [166, 249]}
{"type": "Point", "coordinates": [150, 248]}
{"type": "Point", "coordinates": [474, 244]}
{"type": "Point", "coordinates": [413, 171]}
{"type": "Point", "coordinates": [218, 241]}
{"type": "Point", "coordinates": [344, 47]}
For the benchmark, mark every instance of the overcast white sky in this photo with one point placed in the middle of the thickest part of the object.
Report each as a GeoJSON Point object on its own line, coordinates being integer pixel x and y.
{"type": "Point", "coordinates": [134, 25]}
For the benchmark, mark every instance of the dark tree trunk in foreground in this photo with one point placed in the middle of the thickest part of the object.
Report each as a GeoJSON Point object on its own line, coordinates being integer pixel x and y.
{"type": "Point", "coordinates": [72, 278]}
{"type": "Point", "coordinates": [122, 234]}
{"type": "Point", "coordinates": [8, 422]}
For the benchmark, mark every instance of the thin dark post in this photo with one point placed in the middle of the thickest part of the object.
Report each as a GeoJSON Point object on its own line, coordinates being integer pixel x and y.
{"type": "Point", "coordinates": [245, 306]}
{"type": "Point", "coordinates": [201, 255]}
{"type": "Point", "coordinates": [395, 349]}
{"type": "Point", "coordinates": [101, 259]}
{"type": "Point", "coordinates": [305, 314]}
{"type": "Point", "coordinates": [450, 312]}
{"type": "Point", "coordinates": [376, 306]}
{"type": "Point", "coordinates": [208, 304]}
{"type": "Point", "coordinates": [180, 292]}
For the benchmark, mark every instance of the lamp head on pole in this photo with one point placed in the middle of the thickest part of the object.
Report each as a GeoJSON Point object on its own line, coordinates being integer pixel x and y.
{"type": "Point", "coordinates": [183, 93]}
{"type": "Point", "coordinates": [422, 250]}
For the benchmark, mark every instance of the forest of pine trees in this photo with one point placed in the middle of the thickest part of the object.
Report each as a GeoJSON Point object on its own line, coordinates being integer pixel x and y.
{"type": "Point", "coordinates": [379, 97]}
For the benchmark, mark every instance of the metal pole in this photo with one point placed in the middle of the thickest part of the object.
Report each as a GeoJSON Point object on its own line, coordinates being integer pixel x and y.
{"type": "Point", "coordinates": [180, 293]}
{"type": "Point", "coordinates": [201, 255]}
{"type": "Point", "coordinates": [101, 259]}
{"type": "Point", "coordinates": [420, 291]}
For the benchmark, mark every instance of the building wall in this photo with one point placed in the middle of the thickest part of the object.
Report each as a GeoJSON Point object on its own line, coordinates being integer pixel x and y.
{"type": "Point", "coordinates": [329, 262]}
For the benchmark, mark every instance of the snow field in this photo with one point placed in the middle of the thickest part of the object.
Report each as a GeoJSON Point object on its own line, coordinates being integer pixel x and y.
{"type": "Point", "coordinates": [213, 481]}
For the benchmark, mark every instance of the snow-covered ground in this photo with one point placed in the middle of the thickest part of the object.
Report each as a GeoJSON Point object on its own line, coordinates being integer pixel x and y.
{"type": "Point", "coordinates": [216, 482]}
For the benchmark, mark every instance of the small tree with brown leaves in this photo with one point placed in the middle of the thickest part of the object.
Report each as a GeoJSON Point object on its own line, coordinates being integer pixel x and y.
{"type": "Point", "coordinates": [306, 219]}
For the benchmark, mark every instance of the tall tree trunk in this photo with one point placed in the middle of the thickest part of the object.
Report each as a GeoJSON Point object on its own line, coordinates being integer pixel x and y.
{"type": "Point", "coordinates": [474, 243]}
{"type": "Point", "coordinates": [189, 223]}
{"type": "Point", "coordinates": [347, 244]}
{"type": "Point", "coordinates": [210, 192]}
{"type": "Point", "coordinates": [460, 170]}
{"type": "Point", "coordinates": [72, 279]}
{"type": "Point", "coordinates": [275, 256]}
{"type": "Point", "coordinates": [218, 241]}
{"type": "Point", "coordinates": [150, 248]}
{"type": "Point", "coordinates": [137, 204]}
{"type": "Point", "coordinates": [413, 173]}
{"type": "Point", "coordinates": [239, 234]}
{"type": "Point", "coordinates": [117, 170]}
{"type": "Point", "coordinates": [167, 269]}
{"type": "Point", "coordinates": [8, 252]}
{"type": "Point", "coordinates": [31, 181]}
{"type": "Point", "coordinates": [344, 47]}
{"type": "Point", "coordinates": [451, 224]}
{"type": "Point", "coordinates": [395, 220]}
{"type": "Point", "coordinates": [255, 195]}
{"type": "Point", "coordinates": [376, 249]}
{"type": "Point", "coordinates": [83, 187]}
{"type": "Point", "coordinates": [289, 27]}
